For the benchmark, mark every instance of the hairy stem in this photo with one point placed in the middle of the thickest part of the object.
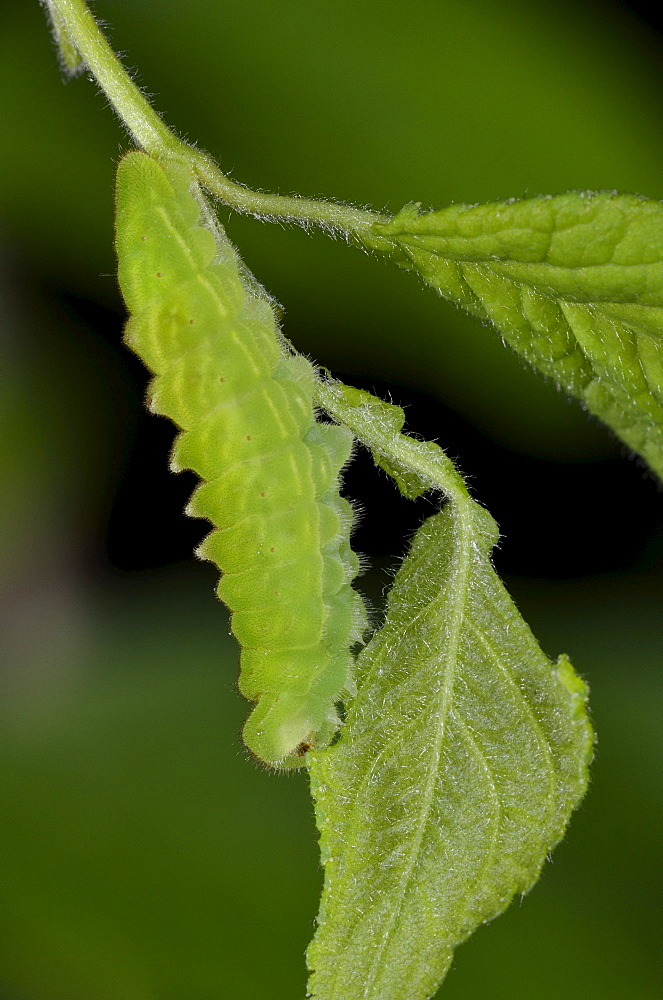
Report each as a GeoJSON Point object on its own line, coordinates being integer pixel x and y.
{"type": "Point", "coordinates": [82, 32]}
{"type": "Point", "coordinates": [76, 30]}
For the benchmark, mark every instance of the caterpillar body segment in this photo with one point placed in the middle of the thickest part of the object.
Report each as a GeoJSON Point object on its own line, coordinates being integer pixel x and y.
{"type": "Point", "coordinates": [270, 471]}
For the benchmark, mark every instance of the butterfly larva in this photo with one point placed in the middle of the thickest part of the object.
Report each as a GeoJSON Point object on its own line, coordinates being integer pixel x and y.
{"type": "Point", "coordinates": [270, 470]}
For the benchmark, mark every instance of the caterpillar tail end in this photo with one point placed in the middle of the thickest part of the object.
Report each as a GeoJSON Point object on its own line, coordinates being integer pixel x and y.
{"type": "Point", "coordinates": [282, 729]}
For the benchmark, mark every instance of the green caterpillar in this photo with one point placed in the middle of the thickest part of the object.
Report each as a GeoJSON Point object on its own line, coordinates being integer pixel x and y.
{"type": "Point", "coordinates": [244, 404]}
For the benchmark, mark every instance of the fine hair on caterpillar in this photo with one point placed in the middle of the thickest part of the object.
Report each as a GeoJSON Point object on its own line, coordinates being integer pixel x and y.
{"type": "Point", "coordinates": [243, 401]}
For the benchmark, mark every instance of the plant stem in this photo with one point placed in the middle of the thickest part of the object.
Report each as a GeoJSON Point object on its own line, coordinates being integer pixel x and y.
{"type": "Point", "coordinates": [134, 110]}
{"type": "Point", "coordinates": [77, 29]}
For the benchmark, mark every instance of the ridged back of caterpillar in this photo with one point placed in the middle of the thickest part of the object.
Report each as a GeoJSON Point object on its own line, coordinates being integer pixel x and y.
{"type": "Point", "coordinates": [270, 470]}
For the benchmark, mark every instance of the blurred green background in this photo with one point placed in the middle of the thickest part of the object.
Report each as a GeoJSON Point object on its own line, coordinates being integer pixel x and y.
{"type": "Point", "coordinates": [142, 855]}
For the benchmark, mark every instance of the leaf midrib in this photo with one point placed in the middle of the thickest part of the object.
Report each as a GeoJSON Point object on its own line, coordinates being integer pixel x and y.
{"type": "Point", "coordinates": [460, 577]}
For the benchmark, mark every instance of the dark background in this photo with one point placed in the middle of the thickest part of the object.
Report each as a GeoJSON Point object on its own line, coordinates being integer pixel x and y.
{"type": "Point", "coordinates": [144, 857]}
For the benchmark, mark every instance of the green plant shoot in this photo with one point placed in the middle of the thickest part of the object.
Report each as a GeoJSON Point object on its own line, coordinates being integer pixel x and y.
{"type": "Point", "coordinates": [464, 750]}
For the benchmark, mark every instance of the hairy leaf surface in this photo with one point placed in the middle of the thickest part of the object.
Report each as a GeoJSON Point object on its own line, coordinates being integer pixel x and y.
{"type": "Point", "coordinates": [461, 760]}
{"type": "Point", "coordinates": [575, 285]}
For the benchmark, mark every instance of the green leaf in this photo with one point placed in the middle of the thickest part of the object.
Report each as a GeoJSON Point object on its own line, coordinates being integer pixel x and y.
{"type": "Point", "coordinates": [462, 757]}
{"type": "Point", "coordinates": [387, 419]}
{"type": "Point", "coordinates": [574, 283]}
